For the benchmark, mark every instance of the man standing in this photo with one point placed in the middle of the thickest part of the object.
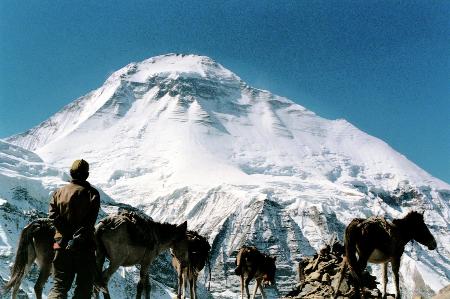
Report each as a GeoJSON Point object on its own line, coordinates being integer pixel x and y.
{"type": "Point", "coordinates": [74, 209]}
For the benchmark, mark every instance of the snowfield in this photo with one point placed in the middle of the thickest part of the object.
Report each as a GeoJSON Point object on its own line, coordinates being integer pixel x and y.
{"type": "Point", "coordinates": [183, 138]}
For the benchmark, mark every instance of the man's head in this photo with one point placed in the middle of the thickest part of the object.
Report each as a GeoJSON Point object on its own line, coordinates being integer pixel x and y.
{"type": "Point", "coordinates": [79, 170]}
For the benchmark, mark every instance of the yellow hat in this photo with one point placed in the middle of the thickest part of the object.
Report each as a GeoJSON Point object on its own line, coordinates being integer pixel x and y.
{"type": "Point", "coordinates": [80, 166]}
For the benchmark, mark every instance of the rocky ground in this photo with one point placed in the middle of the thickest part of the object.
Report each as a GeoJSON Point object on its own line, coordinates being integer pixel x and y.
{"type": "Point", "coordinates": [443, 294]}
{"type": "Point", "coordinates": [319, 276]}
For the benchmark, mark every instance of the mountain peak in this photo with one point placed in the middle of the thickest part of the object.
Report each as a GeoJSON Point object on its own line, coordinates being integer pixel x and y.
{"type": "Point", "coordinates": [182, 137]}
{"type": "Point", "coordinates": [173, 66]}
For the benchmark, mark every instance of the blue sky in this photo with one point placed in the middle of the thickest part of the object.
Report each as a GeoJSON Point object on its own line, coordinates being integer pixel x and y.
{"type": "Point", "coordinates": [382, 65]}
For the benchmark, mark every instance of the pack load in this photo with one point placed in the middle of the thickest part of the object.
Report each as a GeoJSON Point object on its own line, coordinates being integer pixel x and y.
{"type": "Point", "coordinates": [198, 249]}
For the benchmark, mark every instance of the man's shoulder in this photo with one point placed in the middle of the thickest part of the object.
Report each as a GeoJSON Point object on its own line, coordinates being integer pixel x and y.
{"type": "Point", "coordinates": [81, 186]}
{"type": "Point", "coordinates": [66, 187]}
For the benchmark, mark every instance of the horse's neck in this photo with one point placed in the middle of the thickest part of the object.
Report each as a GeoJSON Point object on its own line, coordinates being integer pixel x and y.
{"type": "Point", "coordinates": [402, 231]}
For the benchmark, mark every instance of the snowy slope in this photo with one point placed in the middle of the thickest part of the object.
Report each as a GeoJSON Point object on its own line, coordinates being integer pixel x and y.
{"type": "Point", "coordinates": [26, 183]}
{"type": "Point", "coordinates": [184, 138]}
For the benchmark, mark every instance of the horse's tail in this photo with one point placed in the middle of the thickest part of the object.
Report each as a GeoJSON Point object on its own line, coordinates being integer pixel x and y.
{"type": "Point", "coordinates": [208, 260]}
{"type": "Point", "coordinates": [21, 261]}
{"type": "Point", "coordinates": [237, 262]}
{"type": "Point", "coordinates": [350, 247]}
{"type": "Point", "coordinates": [99, 246]}
{"type": "Point", "coordinates": [238, 270]}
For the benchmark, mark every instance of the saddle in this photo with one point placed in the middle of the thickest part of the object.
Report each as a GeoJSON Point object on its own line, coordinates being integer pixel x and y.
{"type": "Point", "coordinates": [376, 223]}
{"type": "Point", "coordinates": [139, 227]}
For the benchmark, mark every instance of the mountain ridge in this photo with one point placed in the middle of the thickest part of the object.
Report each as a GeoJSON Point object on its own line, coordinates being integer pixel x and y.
{"type": "Point", "coordinates": [184, 138]}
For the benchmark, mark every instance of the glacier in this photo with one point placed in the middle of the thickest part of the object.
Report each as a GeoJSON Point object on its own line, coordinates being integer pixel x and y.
{"type": "Point", "coordinates": [183, 138]}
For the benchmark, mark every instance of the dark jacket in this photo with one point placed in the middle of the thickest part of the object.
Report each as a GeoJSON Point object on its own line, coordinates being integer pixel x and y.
{"type": "Point", "coordinates": [74, 209]}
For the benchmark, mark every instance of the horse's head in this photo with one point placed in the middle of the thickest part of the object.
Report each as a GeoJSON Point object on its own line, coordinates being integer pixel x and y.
{"type": "Point", "coordinates": [269, 270]}
{"type": "Point", "coordinates": [419, 230]}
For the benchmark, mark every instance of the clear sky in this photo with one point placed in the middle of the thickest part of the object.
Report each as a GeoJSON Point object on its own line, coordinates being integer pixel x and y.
{"type": "Point", "coordinates": [382, 65]}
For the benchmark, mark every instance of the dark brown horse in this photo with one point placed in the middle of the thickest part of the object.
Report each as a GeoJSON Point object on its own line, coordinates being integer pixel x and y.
{"type": "Point", "coordinates": [128, 239]}
{"type": "Point", "coordinates": [35, 244]}
{"type": "Point", "coordinates": [251, 263]}
{"type": "Point", "coordinates": [379, 241]}
{"type": "Point", "coordinates": [189, 258]}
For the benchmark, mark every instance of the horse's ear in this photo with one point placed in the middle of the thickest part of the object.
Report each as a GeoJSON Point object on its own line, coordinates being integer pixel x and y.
{"type": "Point", "coordinates": [421, 212]}
{"type": "Point", "coordinates": [183, 226]}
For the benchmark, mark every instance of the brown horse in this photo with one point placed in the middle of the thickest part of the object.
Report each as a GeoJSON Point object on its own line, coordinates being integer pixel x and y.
{"type": "Point", "coordinates": [128, 239]}
{"type": "Point", "coordinates": [379, 241]}
{"type": "Point", "coordinates": [35, 244]}
{"type": "Point", "coordinates": [189, 258]}
{"type": "Point", "coordinates": [250, 263]}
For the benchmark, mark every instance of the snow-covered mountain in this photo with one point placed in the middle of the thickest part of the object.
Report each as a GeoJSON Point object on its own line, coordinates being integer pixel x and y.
{"type": "Point", "coordinates": [26, 183]}
{"type": "Point", "coordinates": [183, 138]}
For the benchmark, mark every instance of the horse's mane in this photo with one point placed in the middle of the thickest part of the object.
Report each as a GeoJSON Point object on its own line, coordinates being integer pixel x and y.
{"type": "Point", "coordinates": [411, 216]}
{"type": "Point", "coordinates": [408, 223]}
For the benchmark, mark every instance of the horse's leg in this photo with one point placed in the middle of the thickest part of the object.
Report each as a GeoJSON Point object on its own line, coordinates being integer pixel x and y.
{"type": "Point", "coordinates": [100, 281]}
{"type": "Point", "coordinates": [147, 286]}
{"type": "Point", "coordinates": [362, 264]}
{"type": "Point", "coordinates": [257, 285]}
{"type": "Point", "coordinates": [242, 286]}
{"type": "Point", "coordinates": [261, 288]}
{"type": "Point", "coordinates": [192, 283]}
{"type": "Point", "coordinates": [184, 280]}
{"type": "Point", "coordinates": [195, 285]}
{"type": "Point", "coordinates": [341, 277]}
{"type": "Point", "coordinates": [385, 278]}
{"type": "Point", "coordinates": [139, 288]}
{"type": "Point", "coordinates": [102, 277]}
{"type": "Point", "coordinates": [99, 262]}
{"type": "Point", "coordinates": [191, 286]}
{"type": "Point", "coordinates": [395, 269]}
{"type": "Point", "coordinates": [106, 275]}
{"type": "Point", "coordinates": [44, 274]}
{"type": "Point", "coordinates": [180, 278]}
{"type": "Point", "coordinates": [144, 283]}
{"type": "Point", "coordinates": [255, 289]}
{"type": "Point", "coordinates": [247, 282]}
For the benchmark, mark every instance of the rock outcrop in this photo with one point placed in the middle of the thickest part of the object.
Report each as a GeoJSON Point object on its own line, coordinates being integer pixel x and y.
{"type": "Point", "coordinates": [325, 272]}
